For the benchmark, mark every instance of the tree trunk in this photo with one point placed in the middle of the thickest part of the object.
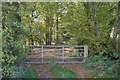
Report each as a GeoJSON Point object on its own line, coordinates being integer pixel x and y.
{"type": "Point", "coordinates": [57, 28]}
{"type": "Point", "coordinates": [88, 6]}
{"type": "Point", "coordinates": [94, 17]}
{"type": "Point", "coordinates": [96, 21]}
{"type": "Point", "coordinates": [118, 15]}
{"type": "Point", "coordinates": [47, 31]}
{"type": "Point", "coordinates": [118, 26]}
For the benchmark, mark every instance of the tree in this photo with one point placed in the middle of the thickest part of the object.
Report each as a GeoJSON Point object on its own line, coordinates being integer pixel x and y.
{"type": "Point", "coordinates": [13, 38]}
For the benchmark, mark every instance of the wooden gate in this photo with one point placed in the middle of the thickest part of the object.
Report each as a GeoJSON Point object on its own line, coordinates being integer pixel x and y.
{"type": "Point", "coordinates": [57, 54]}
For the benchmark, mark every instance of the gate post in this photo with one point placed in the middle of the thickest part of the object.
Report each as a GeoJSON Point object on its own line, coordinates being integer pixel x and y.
{"type": "Point", "coordinates": [85, 51]}
{"type": "Point", "coordinates": [42, 54]}
{"type": "Point", "coordinates": [62, 53]}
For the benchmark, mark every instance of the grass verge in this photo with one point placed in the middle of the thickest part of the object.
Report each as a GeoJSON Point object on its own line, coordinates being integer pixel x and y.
{"type": "Point", "coordinates": [62, 72]}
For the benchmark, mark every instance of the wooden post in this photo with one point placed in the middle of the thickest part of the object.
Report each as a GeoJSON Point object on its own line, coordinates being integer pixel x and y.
{"type": "Point", "coordinates": [85, 51]}
{"type": "Point", "coordinates": [62, 53]}
{"type": "Point", "coordinates": [42, 54]}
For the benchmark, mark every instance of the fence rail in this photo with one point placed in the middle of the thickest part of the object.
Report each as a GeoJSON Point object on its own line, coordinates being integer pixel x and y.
{"type": "Point", "coordinates": [57, 54]}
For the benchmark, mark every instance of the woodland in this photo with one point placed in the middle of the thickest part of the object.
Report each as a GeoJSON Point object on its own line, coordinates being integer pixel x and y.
{"type": "Point", "coordinates": [95, 24]}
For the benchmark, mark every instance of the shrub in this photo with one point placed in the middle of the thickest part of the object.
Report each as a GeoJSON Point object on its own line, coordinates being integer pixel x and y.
{"type": "Point", "coordinates": [102, 66]}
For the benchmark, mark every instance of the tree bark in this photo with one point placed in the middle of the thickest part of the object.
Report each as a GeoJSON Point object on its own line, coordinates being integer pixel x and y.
{"type": "Point", "coordinates": [95, 20]}
{"type": "Point", "coordinates": [118, 15]}
{"type": "Point", "coordinates": [47, 31]}
{"type": "Point", "coordinates": [94, 14]}
{"type": "Point", "coordinates": [51, 28]}
{"type": "Point", "coordinates": [49, 25]}
{"type": "Point", "coordinates": [57, 28]}
{"type": "Point", "coordinates": [118, 26]}
{"type": "Point", "coordinates": [119, 18]}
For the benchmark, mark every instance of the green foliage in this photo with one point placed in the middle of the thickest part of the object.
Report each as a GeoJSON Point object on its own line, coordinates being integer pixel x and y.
{"type": "Point", "coordinates": [8, 71]}
{"type": "Point", "coordinates": [8, 59]}
{"type": "Point", "coordinates": [62, 72]}
{"type": "Point", "coordinates": [14, 35]}
{"type": "Point", "coordinates": [102, 67]}
{"type": "Point", "coordinates": [44, 23]}
{"type": "Point", "coordinates": [8, 65]}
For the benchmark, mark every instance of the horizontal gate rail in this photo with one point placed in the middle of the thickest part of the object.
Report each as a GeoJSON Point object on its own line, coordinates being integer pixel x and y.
{"type": "Point", "coordinates": [54, 62]}
{"type": "Point", "coordinates": [34, 46]}
{"type": "Point", "coordinates": [52, 57]}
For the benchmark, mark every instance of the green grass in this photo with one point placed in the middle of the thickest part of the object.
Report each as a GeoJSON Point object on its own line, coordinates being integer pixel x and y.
{"type": "Point", "coordinates": [62, 72]}
{"type": "Point", "coordinates": [29, 73]}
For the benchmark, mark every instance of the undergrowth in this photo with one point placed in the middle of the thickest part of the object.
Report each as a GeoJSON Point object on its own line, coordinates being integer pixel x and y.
{"type": "Point", "coordinates": [102, 67]}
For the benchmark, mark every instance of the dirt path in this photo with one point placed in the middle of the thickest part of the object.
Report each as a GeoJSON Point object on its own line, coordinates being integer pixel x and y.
{"type": "Point", "coordinates": [43, 70]}
{"type": "Point", "coordinates": [81, 71]}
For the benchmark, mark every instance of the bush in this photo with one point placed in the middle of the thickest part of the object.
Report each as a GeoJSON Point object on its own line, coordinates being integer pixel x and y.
{"type": "Point", "coordinates": [14, 34]}
{"type": "Point", "coordinates": [102, 66]}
